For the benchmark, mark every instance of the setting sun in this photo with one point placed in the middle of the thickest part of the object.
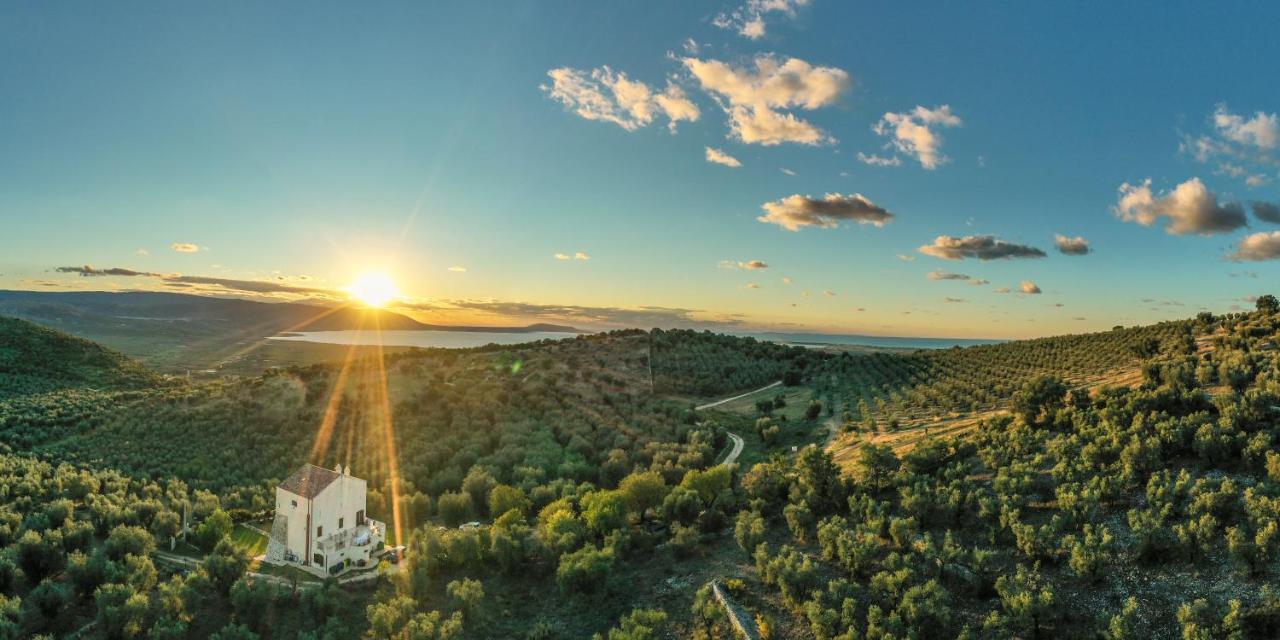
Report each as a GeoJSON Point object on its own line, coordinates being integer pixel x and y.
{"type": "Point", "coordinates": [374, 289]}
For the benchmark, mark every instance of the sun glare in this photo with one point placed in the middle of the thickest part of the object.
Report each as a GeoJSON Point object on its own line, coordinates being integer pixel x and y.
{"type": "Point", "coordinates": [374, 289]}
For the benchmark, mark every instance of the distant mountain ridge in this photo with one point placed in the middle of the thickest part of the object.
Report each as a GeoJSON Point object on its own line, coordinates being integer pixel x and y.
{"type": "Point", "coordinates": [178, 332]}
{"type": "Point", "coordinates": [57, 307]}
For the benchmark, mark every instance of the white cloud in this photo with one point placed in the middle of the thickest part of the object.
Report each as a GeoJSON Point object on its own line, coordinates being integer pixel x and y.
{"type": "Point", "coordinates": [945, 275]}
{"type": "Point", "coordinates": [574, 256]}
{"type": "Point", "coordinates": [1243, 147]}
{"type": "Point", "coordinates": [606, 95]}
{"type": "Point", "coordinates": [829, 293]}
{"type": "Point", "coordinates": [1258, 246]}
{"type": "Point", "coordinates": [980, 247]}
{"type": "Point", "coordinates": [879, 161]}
{"type": "Point", "coordinates": [185, 247]}
{"type": "Point", "coordinates": [1190, 208]}
{"type": "Point", "coordinates": [457, 269]}
{"type": "Point", "coordinates": [1076, 246]}
{"type": "Point", "coordinates": [717, 156]}
{"type": "Point", "coordinates": [752, 285]}
{"type": "Point", "coordinates": [749, 19]}
{"type": "Point", "coordinates": [1262, 130]}
{"type": "Point", "coordinates": [787, 171]}
{"type": "Point", "coordinates": [1028, 286]}
{"type": "Point", "coordinates": [796, 211]}
{"type": "Point", "coordinates": [913, 133]}
{"type": "Point", "coordinates": [753, 98]}
{"type": "Point", "coordinates": [750, 265]}
{"type": "Point", "coordinates": [142, 252]}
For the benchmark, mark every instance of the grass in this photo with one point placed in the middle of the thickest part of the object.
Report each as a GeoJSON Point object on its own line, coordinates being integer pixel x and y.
{"type": "Point", "coordinates": [252, 542]}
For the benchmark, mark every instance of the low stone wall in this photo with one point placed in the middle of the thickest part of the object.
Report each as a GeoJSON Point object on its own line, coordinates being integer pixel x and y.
{"type": "Point", "coordinates": [744, 625]}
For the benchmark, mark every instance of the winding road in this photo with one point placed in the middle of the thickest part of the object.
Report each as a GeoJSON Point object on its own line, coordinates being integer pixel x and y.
{"type": "Point", "coordinates": [738, 443]}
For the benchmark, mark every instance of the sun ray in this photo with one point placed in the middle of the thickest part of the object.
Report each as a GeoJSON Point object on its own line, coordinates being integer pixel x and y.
{"type": "Point", "coordinates": [388, 433]}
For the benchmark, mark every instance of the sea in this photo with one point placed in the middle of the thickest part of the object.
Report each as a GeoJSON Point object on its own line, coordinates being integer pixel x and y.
{"type": "Point", "coordinates": [467, 339]}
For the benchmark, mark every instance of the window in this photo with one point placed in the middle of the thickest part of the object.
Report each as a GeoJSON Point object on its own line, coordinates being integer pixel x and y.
{"type": "Point", "coordinates": [318, 559]}
{"type": "Point", "coordinates": [319, 532]}
{"type": "Point", "coordinates": [295, 503]}
{"type": "Point", "coordinates": [339, 523]}
{"type": "Point", "coordinates": [360, 517]}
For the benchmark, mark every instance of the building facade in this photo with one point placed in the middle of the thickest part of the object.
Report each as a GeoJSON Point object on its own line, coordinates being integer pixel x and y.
{"type": "Point", "coordinates": [320, 521]}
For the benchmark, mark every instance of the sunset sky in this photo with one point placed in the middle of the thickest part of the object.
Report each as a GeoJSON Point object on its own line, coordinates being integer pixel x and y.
{"type": "Point", "coordinates": [991, 170]}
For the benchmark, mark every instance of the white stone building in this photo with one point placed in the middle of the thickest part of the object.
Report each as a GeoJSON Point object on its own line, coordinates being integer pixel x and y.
{"type": "Point", "coordinates": [320, 522]}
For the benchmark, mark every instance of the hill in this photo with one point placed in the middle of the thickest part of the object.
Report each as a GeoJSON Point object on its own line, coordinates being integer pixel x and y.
{"type": "Point", "coordinates": [177, 333]}
{"type": "Point", "coordinates": [1120, 484]}
{"type": "Point", "coordinates": [34, 359]}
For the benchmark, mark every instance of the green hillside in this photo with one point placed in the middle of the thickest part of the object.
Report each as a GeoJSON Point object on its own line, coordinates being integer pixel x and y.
{"type": "Point", "coordinates": [1115, 485]}
{"type": "Point", "coordinates": [34, 359]}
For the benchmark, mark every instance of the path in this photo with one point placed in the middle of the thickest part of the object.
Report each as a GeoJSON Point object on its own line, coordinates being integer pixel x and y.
{"type": "Point", "coordinates": [349, 578]}
{"type": "Point", "coordinates": [736, 450]}
{"type": "Point", "coordinates": [741, 395]}
{"type": "Point", "coordinates": [738, 443]}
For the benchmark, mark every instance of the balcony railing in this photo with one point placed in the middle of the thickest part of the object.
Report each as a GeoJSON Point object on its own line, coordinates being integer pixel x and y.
{"type": "Point", "coordinates": [358, 536]}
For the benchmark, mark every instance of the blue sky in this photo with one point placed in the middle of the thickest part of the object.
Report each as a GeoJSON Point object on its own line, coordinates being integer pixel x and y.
{"type": "Point", "coordinates": [303, 145]}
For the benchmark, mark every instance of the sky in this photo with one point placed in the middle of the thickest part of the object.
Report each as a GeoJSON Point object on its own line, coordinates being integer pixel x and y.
{"type": "Point", "coordinates": [979, 169]}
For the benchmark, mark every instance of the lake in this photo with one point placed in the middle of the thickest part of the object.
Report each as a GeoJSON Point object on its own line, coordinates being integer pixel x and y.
{"type": "Point", "coordinates": [422, 338]}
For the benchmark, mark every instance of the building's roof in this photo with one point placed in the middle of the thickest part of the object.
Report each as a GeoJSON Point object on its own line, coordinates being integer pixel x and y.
{"type": "Point", "coordinates": [309, 480]}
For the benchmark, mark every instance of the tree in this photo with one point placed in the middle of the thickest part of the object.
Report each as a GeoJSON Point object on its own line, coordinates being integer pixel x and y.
{"type": "Point", "coordinates": [251, 599]}
{"type": "Point", "coordinates": [45, 602]}
{"type": "Point", "coordinates": [1090, 552]}
{"type": "Point", "coordinates": [126, 540]}
{"type": "Point", "coordinates": [749, 530]}
{"type": "Point", "coordinates": [643, 491]}
{"type": "Point", "coordinates": [478, 483]}
{"type": "Point", "coordinates": [234, 631]}
{"type": "Point", "coordinates": [122, 612]}
{"type": "Point", "coordinates": [709, 483]}
{"type": "Point", "coordinates": [1027, 603]}
{"type": "Point", "coordinates": [1043, 394]}
{"type": "Point", "coordinates": [388, 618]}
{"type": "Point", "coordinates": [214, 528]}
{"type": "Point", "coordinates": [813, 410]}
{"type": "Point", "coordinates": [1125, 625]}
{"type": "Point", "coordinates": [640, 624]}
{"type": "Point", "coordinates": [39, 555]}
{"type": "Point", "coordinates": [504, 498]}
{"type": "Point", "coordinates": [604, 511]}
{"type": "Point", "coordinates": [225, 565]}
{"type": "Point", "coordinates": [876, 465]}
{"type": "Point", "coordinates": [468, 594]}
{"type": "Point", "coordinates": [1267, 304]}
{"type": "Point", "coordinates": [584, 570]}
{"type": "Point", "coordinates": [454, 508]}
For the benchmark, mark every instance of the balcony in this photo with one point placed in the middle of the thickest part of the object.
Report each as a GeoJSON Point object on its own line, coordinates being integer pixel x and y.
{"type": "Point", "coordinates": [359, 536]}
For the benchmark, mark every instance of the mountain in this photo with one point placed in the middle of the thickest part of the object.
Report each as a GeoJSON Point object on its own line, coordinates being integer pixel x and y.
{"type": "Point", "coordinates": [178, 332]}
{"type": "Point", "coordinates": [35, 359]}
